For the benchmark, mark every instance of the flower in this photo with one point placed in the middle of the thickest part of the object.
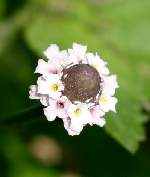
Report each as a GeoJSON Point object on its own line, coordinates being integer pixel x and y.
{"type": "Point", "coordinates": [79, 116]}
{"type": "Point", "coordinates": [78, 53]}
{"type": "Point", "coordinates": [56, 56]}
{"type": "Point", "coordinates": [57, 108]}
{"type": "Point", "coordinates": [97, 116]}
{"type": "Point", "coordinates": [97, 63]}
{"type": "Point", "coordinates": [75, 86]}
{"type": "Point", "coordinates": [33, 94]}
{"type": "Point", "coordinates": [46, 69]}
{"type": "Point", "coordinates": [107, 103]}
{"type": "Point", "coordinates": [51, 86]}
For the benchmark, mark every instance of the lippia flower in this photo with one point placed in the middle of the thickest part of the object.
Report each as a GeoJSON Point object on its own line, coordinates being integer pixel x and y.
{"type": "Point", "coordinates": [75, 86]}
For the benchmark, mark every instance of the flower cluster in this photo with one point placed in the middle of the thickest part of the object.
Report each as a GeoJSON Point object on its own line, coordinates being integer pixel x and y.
{"type": "Point", "coordinates": [75, 86]}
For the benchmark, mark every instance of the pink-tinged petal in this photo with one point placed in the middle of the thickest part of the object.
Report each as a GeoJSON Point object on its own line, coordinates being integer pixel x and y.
{"type": "Point", "coordinates": [46, 68]}
{"type": "Point", "coordinates": [97, 115]}
{"type": "Point", "coordinates": [97, 112]}
{"type": "Point", "coordinates": [60, 109]}
{"type": "Point", "coordinates": [54, 69]}
{"type": "Point", "coordinates": [60, 106]}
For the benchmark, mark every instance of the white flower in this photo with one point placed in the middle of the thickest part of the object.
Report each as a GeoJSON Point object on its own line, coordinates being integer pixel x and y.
{"type": "Point", "coordinates": [107, 103]}
{"type": "Point", "coordinates": [77, 53]}
{"type": "Point", "coordinates": [52, 86]}
{"type": "Point", "coordinates": [56, 56]}
{"type": "Point", "coordinates": [33, 94]}
{"type": "Point", "coordinates": [97, 63]}
{"type": "Point", "coordinates": [79, 115]}
{"type": "Point", "coordinates": [46, 68]}
{"type": "Point", "coordinates": [74, 101]}
{"type": "Point", "coordinates": [57, 108]}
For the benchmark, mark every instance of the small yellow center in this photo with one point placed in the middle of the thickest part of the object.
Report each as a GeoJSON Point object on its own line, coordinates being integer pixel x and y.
{"type": "Point", "coordinates": [96, 65]}
{"type": "Point", "coordinates": [103, 99]}
{"type": "Point", "coordinates": [54, 87]}
{"type": "Point", "coordinates": [77, 112]}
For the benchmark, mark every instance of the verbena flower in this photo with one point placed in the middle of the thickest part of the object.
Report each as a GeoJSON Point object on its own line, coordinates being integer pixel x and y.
{"type": "Point", "coordinates": [75, 86]}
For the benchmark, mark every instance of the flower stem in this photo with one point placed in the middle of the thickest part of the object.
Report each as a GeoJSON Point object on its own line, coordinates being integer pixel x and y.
{"type": "Point", "coordinates": [32, 113]}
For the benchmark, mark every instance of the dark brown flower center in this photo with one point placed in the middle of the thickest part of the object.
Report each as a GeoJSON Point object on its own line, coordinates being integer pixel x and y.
{"type": "Point", "coordinates": [81, 82]}
{"type": "Point", "coordinates": [60, 104]}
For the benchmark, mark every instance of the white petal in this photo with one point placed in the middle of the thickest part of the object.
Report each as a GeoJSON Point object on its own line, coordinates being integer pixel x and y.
{"type": "Point", "coordinates": [33, 92]}
{"type": "Point", "coordinates": [41, 67]}
{"type": "Point", "coordinates": [50, 113]}
{"type": "Point", "coordinates": [44, 100]}
{"type": "Point", "coordinates": [104, 70]}
{"type": "Point", "coordinates": [77, 53]}
{"type": "Point", "coordinates": [45, 86]}
{"type": "Point", "coordinates": [76, 126]}
{"type": "Point", "coordinates": [67, 127]}
{"type": "Point", "coordinates": [53, 78]}
{"type": "Point", "coordinates": [79, 114]}
{"type": "Point", "coordinates": [110, 84]}
{"type": "Point", "coordinates": [42, 86]}
{"type": "Point", "coordinates": [99, 121]}
{"type": "Point", "coordinates": [98, 63]}
{"type": "Point", "coordinates": [52, 51]}
{"type": "Point", "coordinates": [113, 103]}
{"type": "Point", "coordinates": [90, 58]}
{"type": "Point", "coordinates": [107, 103]}
{"type": "Point", "coordinates": [79, 50]}
{"type": "Point", "coordinates": [60, 59]}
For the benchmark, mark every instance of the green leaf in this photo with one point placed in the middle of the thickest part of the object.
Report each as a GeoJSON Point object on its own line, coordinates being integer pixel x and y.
{"type": "Point", "coordinates": [107, 35]}
{"type": "Point", "coordinates": [15, 71]}
{"type": "Point", "coordinates": [2, 8]}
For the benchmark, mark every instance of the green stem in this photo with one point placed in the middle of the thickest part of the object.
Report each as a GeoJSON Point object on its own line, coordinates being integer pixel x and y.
{"type": "Point", "coordinates": [28, 114]}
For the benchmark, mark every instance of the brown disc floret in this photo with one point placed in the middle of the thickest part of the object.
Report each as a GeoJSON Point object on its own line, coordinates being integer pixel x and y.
{"type": "Point", "coordinates": [81, 82]}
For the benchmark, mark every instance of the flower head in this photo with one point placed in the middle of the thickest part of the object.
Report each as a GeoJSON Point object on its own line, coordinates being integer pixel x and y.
{"type": "Point", "coordinates": [74, 86]}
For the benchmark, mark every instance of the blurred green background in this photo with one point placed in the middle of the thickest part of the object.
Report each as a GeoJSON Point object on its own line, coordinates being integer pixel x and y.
{"type": "Point", "coordinates": [119, 30]}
